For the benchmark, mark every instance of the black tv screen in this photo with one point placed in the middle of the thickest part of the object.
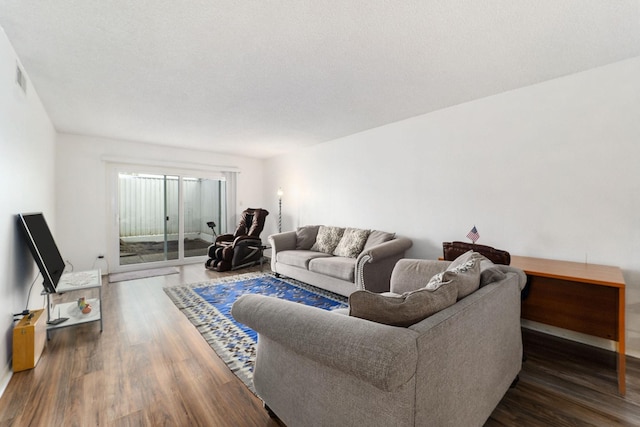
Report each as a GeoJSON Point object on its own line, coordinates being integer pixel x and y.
{"type": "Point", "coordinates": [43, 248]}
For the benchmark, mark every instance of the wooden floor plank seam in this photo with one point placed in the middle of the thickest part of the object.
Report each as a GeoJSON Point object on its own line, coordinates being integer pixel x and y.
{"type": "Point", "coordinates": [150, 366]}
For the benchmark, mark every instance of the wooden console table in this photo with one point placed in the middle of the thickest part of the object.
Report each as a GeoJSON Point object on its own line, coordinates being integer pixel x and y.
{"type": "Point", "coordinates": [580, 297]}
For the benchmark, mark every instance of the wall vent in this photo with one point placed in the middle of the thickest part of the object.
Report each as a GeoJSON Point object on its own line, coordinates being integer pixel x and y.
{"type": "Point", "coordinates": [21, 80]}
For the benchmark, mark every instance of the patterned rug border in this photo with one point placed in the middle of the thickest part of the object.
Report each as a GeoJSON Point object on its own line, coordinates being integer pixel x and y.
{"type": "Point", "coordinates": [201, 314]}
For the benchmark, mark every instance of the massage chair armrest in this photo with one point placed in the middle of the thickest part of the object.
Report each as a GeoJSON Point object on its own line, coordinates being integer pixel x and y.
{"type": "Point", "coordinates": [224, 238]}
{"type": "Point", "coordinates": [382, 355]}
{"type": "Point", "coordinates": [247, 241]}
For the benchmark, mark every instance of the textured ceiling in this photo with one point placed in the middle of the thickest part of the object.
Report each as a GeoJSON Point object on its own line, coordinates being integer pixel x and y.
{"type": "Point", "coordinates": [259, 78]}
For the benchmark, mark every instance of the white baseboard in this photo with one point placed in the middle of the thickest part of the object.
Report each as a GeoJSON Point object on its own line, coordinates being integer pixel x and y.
{"type": "Point", "coordinates": [570, 335]}
{"type": "Point", "coordinates": [5, 377]}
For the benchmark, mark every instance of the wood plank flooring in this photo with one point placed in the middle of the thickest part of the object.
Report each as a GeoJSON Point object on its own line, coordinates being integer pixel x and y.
{"type": "Point", "coordinates": [150, 367]}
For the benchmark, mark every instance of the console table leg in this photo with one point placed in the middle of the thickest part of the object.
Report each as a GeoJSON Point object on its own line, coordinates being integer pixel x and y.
{"type": "Point", "coordinates": [622, 357]}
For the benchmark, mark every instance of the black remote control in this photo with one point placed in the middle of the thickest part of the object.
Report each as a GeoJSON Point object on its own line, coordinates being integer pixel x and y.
{"type": "Point", "coordinates": [57, 321]}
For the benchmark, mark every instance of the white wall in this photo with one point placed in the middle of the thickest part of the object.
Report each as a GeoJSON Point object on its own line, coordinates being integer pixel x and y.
{"type": "Point", "coordinates": [82, 190]}
{"type": "Point", "coordinates": [550, 170]}
{"type": "Point", "coordinates": [27, 140]}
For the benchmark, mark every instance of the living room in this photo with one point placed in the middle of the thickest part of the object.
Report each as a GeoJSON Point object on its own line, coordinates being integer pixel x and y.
{"type": "Point", "coordinates": [559, 154]}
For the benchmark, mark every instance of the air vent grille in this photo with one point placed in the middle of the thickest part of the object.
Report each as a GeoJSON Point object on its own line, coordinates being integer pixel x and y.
{"type": "Point", "coordinates": [21, 80]}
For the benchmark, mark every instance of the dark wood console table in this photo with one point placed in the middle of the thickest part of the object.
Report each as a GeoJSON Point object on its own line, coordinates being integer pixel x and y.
{"type": "Point", "coordinates": [580, 297]}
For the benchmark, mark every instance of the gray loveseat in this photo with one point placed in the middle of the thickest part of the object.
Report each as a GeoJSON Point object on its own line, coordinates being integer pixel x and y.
{"type": "Point", "coordinates": [319, 368]}
{"type": "Point", "coordinates": [363, 264]}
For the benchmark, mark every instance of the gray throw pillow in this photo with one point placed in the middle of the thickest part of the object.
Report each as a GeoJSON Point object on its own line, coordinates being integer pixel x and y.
{"type": "Point", "coordinates": [489, 272]}
{"type": "Point", "coordinates": [401, 310]}
{"type": "Point", "coordinates": [463, 272]}
{"type": "Point", "coordinates": [351, 243]}
{"type": "Point", "coordinates": [491, 275]}
{"type": "Point", "coordinates": [327, 239]}
{"type": "Point", "coordinates": [306, 236]}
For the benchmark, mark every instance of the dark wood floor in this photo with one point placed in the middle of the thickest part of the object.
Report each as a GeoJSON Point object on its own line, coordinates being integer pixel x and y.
{"type": "Point", "coordinates": [150, 367]}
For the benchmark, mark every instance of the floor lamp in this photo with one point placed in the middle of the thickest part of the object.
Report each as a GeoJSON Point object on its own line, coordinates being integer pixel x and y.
{"type": "Point", "coordinates": [280, 193]}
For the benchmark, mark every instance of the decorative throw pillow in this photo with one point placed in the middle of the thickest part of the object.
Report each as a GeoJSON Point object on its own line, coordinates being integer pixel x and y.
{"type": "Point", "coordinates": [351, 243]}
{"type": "Point", "coordinates": [400, 310]}
{"type": "Point", "coordinates": [327, 239]}
{"type": "Point", "coordinates": [306, 236]}
{"type": "Point", "coordinates": [463, 272]}
{"type": "Point", "coordinates": [489, 272]}
{"type": "Point", "coordinates": [491, 275]}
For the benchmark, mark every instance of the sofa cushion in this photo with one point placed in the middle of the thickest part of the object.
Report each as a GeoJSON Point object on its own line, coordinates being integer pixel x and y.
{"type": "Point", "coordinates": [352, 242]}
{"type": "Point", "coordinates": [299, 258]}
{"type": "Point", "coordinates": [489, 272]}
{"type": "Point", "coordinates": [306, 236]}
{"type": "Point", "coordinates": [376, 237]}
{"type": "Point", "coordinates": [334, 266]}
{"type": "Point", "coordinates": [327, 239]}
{"type": "Point", "coordinates": [464, 272]}
{"type": "Point", "coordinates": [401, 310]}
{"type": "Point", "coordinates": [412, 274]}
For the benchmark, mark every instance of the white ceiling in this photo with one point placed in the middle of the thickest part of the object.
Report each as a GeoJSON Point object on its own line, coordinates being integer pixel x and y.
{"type": "Point", "coordinates": [259, 78]}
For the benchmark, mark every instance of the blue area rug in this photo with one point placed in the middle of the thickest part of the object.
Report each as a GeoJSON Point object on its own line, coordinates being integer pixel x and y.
{"type": "Point", "coordinates": [208, 306]}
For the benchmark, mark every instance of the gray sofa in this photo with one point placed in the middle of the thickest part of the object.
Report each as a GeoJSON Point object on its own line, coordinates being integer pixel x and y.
{"type": "Point", "coordinates": [294, 255]}
{"type": "Point", "coordinates": [319, 368]}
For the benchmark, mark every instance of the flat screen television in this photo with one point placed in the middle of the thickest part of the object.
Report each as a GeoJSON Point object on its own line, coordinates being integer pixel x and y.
{"type": "Point", "coordinates": [43, 248]}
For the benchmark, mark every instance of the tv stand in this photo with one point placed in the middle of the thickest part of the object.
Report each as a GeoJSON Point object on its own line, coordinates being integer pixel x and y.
{"type": "Point", "coordinates": [73, 282]}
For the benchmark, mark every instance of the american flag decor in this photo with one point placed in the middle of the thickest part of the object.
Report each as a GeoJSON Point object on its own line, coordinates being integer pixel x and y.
{"type": "Point", "coordinates": [473, 234]}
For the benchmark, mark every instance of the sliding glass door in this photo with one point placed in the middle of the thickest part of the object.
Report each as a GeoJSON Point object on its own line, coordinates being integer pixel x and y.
{"type": "Point", "coordinates": [204, 214]}
{"type": "Point", "coordinates": [165, 219]}
{"type": "Point", "coordinates": [149, 218]}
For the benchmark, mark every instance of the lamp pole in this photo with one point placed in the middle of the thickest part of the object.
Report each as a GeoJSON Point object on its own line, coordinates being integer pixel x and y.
{"type": "Point", "coordinates": [280, 193]}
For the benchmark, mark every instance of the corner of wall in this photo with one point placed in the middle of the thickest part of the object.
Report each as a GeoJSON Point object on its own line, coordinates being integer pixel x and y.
{"type": "Point", "coordinates": [5, 377]}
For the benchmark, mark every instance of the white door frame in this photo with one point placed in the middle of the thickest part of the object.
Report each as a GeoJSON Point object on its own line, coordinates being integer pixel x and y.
{"type": "Point", "coordinates": [113, 234]}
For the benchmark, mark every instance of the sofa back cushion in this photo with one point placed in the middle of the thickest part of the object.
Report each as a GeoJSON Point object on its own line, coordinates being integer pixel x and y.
{"type": "Point", "coordinates": [306, 236]}
{"type": "Point", "coordinates": [376, 237]}
{"type": "Point", "coordinates": [490, 272]}
{"type": "Point", "coordinates": [401, 310]}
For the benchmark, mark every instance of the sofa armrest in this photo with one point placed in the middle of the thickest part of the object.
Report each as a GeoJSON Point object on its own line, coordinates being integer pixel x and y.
{"type": "Point", "coordinates": [382, 355]}
{"type": "Point", "coordinates": [281, 242]}
{"type": "Point", "coordinates": [411, 274]}
{"type": "Point", "coordinates": [522, 277]}
{"type": "Point", "coordinates": [374, 264]}
{"type": "Point", "coordinates": [479, 337]}
{"type": "Point", "coordinates": [391, 248]}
